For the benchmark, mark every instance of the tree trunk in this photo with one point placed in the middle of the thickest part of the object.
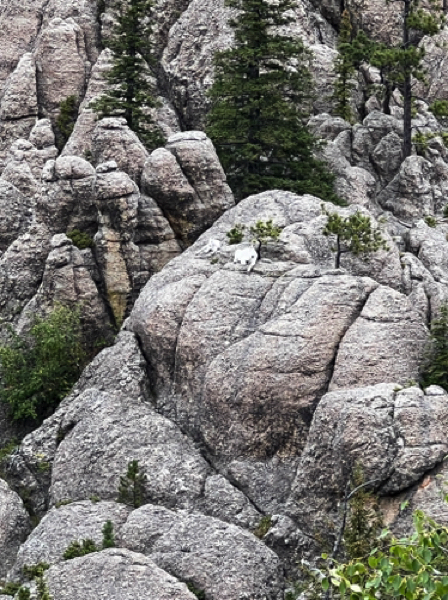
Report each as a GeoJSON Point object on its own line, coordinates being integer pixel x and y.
{"type": "Point", "coordinates": [407, 89]}
{"type": "Point", "coordinates": [337, 262]}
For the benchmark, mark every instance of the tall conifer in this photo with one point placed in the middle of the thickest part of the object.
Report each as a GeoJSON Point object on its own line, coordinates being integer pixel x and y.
{"type": "Point", "coordinates": [130, 95]}
{"type": "Point", "coordinates": [261, 99]}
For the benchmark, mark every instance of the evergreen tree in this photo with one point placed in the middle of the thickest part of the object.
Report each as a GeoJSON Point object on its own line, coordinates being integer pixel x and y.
{"type": "Point", "coordinates": [132, 486]}
{"type": "Point", "coordinates": [399, 65]}
{"type": "Point", "coordinates": [354, 234]}
{"type": "Point", "coordinates": [345, 70]}
{"type": "Point", "coordinates": [108, 535]}
{"type": "Point", "coordinates": [130, 95]}
{"type": "Point", "coordinates": [261, 99]}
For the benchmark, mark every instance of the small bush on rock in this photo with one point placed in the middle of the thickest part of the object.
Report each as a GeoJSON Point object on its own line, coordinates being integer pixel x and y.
{"type": "Point", "coordinates": [80, 239]}
{"type": "Point", "coordinates": [77, 549]}
{"type": "Point", "coordinates": [435, 369]}
{"type": "Point", "coordinates": [236, 234]}
{"type": "Point", "coordinates": [132, 486]}
{"type": "Point", "coordinates": [68, 113]}
{"type": "Point", "coordinates": [39, 370]}
{"type": "Point", "coordinates": [108, 535]}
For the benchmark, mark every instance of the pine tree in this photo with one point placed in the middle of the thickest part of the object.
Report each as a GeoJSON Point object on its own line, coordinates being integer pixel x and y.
{"type": "Point", "coordinates": [345, 70]}
{"type": "Point", "coordinates": [261, 99]}
{"type": "Point", "coordinates": [108, 535]}
{"type": "Point", "coordinates": [400, 64]}
{"type": "Point", "coordinates": [132, 486]}
{"type": "Point", "coordinates": [130, 95]}
{"type": "Point", "coordinates": [354, 234]}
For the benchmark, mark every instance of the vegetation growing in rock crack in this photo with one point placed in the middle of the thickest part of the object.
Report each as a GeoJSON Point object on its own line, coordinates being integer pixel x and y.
{"type": "Point", "coordinates": [80, 239]}
{"type": "Point", "coordinates": [130, 94]}
{"type": "Point", "coordinates": [68, 113]}
{"type": "Point", "coordinates": [236, 234]}
{"type": "Point", "coordinates": [39, 369]}
{"type": "Point", "coordinates": [261, 99]}
{"type": "Point", "coordinates": [77, 549]}
{"type": "Point", "coordinates": [435, 368]}
{"type": "Point", "coordinates": [132, 486]}
{"type": "Point", "coordinates": [263, 526]}
{"type": "Point", "coordinates": [108, 535]}
{"type": "Point", "coordinates": [353, 234]}
{"type": "Point", "coordinates": [345, 70]}
{"type": "Point", "coordinates": [200, 594]}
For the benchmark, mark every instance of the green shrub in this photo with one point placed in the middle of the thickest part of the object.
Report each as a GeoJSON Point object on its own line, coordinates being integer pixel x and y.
{"type": "Point", "coordinates": [132, 486]}
{"type": "Point", "coordinates": [68, 113]}
{"type": "Point", "coordinates": [435, 369]}
{"type": "Point", "coordinates": [263, 527]}
{"type": "Point", "coordinates": [430, 221]}
{"type": "Point", "coordinates": [24, 594]}
{"type": "Point", "coordinates": [10, 589]}
{"type": "Point", "coordinates": [80, 239]}
{"type": "Point", "coordinates": [37, 570]}
{"type": "Point", "coordinates": [200, 594]}
{"type": "Point", "coordinates": [77, 549]}
{"type": "Point", "coordinates": [108, 535]}
{"type": "Point", "coordinates": [37, 372]}
{"type": "Point", "coordinates": [236, 234]}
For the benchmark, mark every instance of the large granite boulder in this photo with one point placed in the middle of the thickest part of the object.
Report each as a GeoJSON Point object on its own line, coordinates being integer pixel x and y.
{"type": "Point", "coordinates": [15, 525]}
{"type": "Point", "coordinates": [222, 560]}
{"type": "Point", "coordinates": [125, 575]}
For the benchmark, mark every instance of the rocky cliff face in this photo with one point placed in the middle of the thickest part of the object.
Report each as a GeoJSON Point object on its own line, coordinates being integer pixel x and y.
{"type": "Point", "coordinates": [241, 394]}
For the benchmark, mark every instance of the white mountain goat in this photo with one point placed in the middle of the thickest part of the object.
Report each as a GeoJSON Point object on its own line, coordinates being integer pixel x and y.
{"type": "Point", "coordinates": [211, 247]}
{"type": "Point", "coordinates": [247, 256]}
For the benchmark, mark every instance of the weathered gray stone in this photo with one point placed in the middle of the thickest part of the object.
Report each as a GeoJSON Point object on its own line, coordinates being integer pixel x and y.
{"type": "Point", "coordinates": [393, 435]}
{"type": "Point", "coordinates": [391, 337]}
{"type": "Point", "coordinates": [15, 214]}
{"type": "Point", "coordinates": [60, 527]}
{"type": "Point", "coordinates": [124, 574]}
{"type": "Point", "coordinates": [188, 184]}
{"type": "Point", "coordinates": [224, 561]}
{"type": "Point", "coordinates": [14, 526]}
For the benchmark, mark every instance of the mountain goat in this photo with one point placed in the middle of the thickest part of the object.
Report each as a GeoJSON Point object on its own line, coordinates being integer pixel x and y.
{"type": "Point", "coordinates": [246, 256]}
{"type": "Point", "coordinates": [211, 247]}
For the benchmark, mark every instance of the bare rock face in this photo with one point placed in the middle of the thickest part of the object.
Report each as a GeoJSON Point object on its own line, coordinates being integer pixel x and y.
{"type": "Point", "coordinates": [391, 336]}
{"type": "Point", "coordinates": [224, 561]}
{"type": "Point", "coordinates": [14, 526]}
{"type": "Point", "coordinates": [188, 183]}
{"type": "Point", "coordinates": [394, 435]}
{"type": "Point", "coordinates": [126, 575]}
{"type": "Point", "coordinates": [60, 527]}
{"type": "Point", "coordinates": [15, 214]}
{"type": "Point", "coordinates": [62, 64]}
{"type": "Point", "coordinates": [18, 104]}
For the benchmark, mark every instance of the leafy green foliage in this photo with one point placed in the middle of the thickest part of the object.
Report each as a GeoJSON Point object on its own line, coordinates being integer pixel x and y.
{"type": "Point", "coordinates": [132, 486]}
{"type": "Point", "coordinates": [130, 95]}
{"type": "Point", "coordinates": [263, 231]}
{"type": "Point", "coordinates": [81, 239]}
{"type": "Point", "coordinates": [236, 234]}
{"type": "Point", "coordinates": [10, 589]}
{"type": "Point", "coordinates": [345, 71]}
{"type": "Point", "coordinates": [36, 373]}
{"type": "Point", "coordinates": [414, 567]}
{"type": "Point", "coordinates": [353, 234]}
{"type": "Point", "coordinates": [108, 535]}
{"type": "Point", "coordinates": [77, 549]}
{"type": "Point", "coordinates": [37, 570]}
{"type": "Point", "coordinates": [261, 98]}
{"type": "Point", "coordinates": [263, 526]}
{"type": "Point", "coordinates": [364, 520]}
{"type": "Point", "coordinates": [200, 594]}
{"type": "Point", "coordinates": [24, 594]}
{"type": "Point", "coordinates": [435, 369]}
{"type": "Point", "coordinates": [43, 592]}
{"type": "Point", "coordinates": [430, 221]}
{"type": "Point", "coordinates": [68, 113]}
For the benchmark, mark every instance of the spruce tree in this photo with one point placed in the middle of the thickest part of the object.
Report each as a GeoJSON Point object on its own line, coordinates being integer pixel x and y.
{"type": "Point", "coordinates": [345, 70]}
{"type": "Point", "coordinates": [130, 94]}
{"type": "Point", "coordinates": [132, 486]}
{"type": "Point", "coordinates": [261, 98]}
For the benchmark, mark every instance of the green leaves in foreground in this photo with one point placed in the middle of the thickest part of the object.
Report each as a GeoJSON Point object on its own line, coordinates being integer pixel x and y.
{"type": "Point", "coordinates": [36, 372]}
{"type": "Point", "coordinates": [413, 567]}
